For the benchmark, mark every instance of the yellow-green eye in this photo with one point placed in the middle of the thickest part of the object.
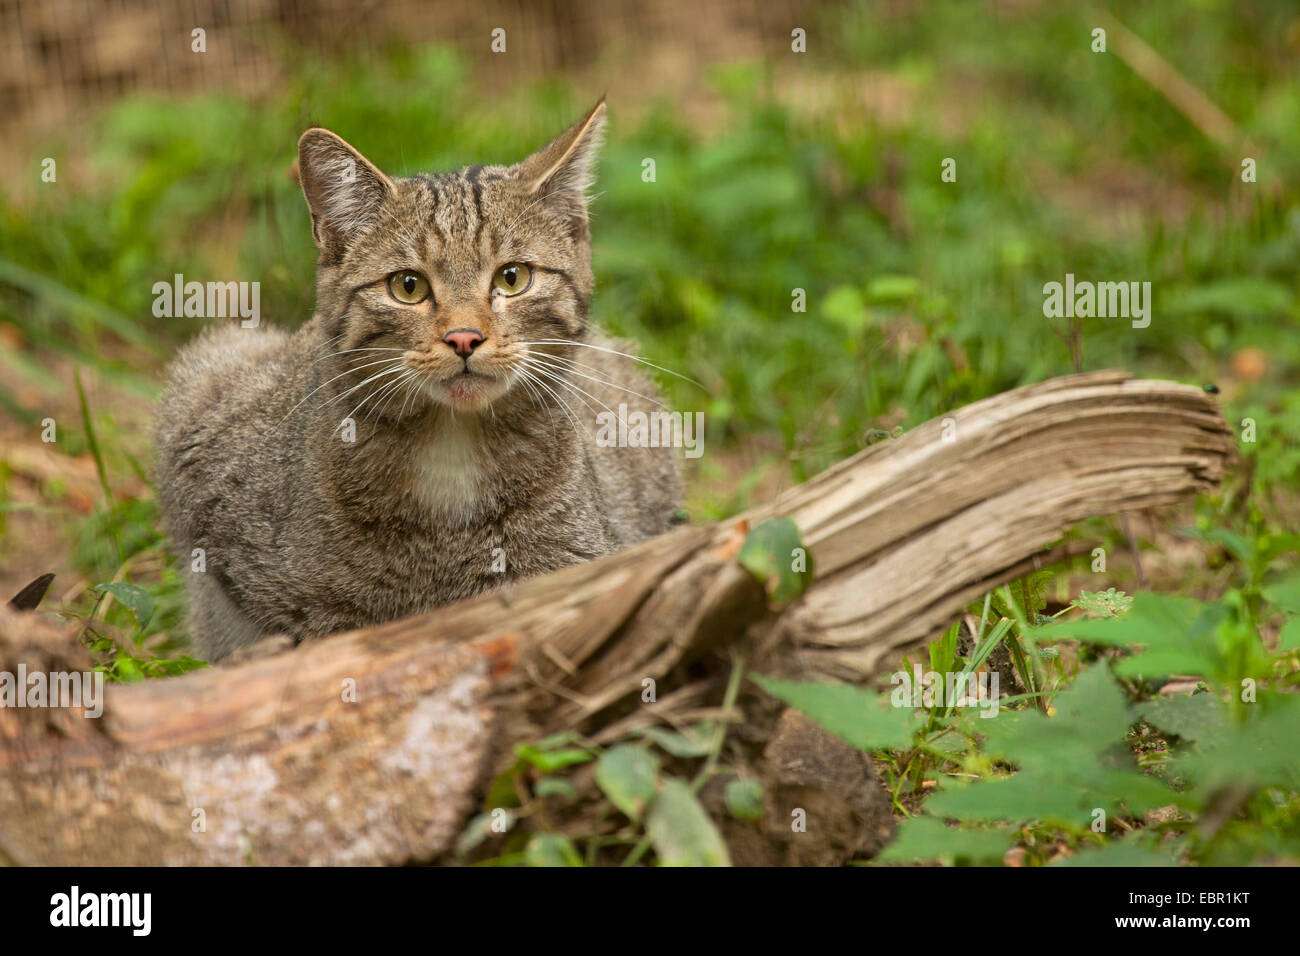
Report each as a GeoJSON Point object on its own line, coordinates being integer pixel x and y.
{"type": "Point", "coordinates": [409, 287]}
{"type": "Point", "coordinates": [512, 278]}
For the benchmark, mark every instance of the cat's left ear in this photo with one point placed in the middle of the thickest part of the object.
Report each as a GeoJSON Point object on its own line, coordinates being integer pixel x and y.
{"type": "Point", "coordinates": [562, 172]}
{"type": "Point", "coordinates": [344, 189]}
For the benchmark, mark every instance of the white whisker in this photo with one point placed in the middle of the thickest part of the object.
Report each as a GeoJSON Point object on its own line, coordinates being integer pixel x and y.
{"type": "Point", "coordinates": [368, 397]}
{"type": "Point", "coordinates": [349, 351]}
{"type": "Point", "coordinates": [551, 376]}
{"type": "Point", "coordinates": [323, 384]}
{"type": "Point", "coordinates": [533, 395]}
{"type": "Point", "coordinates": [564, 407]}
{"type": "Point", "coordinates": [412, 388]}
{"type": "Point", "coordinates": [601, 348]}
{"type": "Point", "coordinates": [393, 388]}
{"type": "Point", "coordinates": [541, 356]}
{"type": "Point", "coordinates": [376, 376]}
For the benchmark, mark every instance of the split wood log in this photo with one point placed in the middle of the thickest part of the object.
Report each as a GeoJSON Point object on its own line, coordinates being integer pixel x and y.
{"type": "Point", "coordinates": [372, 746]}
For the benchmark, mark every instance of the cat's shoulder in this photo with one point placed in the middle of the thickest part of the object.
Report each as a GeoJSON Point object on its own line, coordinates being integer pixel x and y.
{"type": "Point", "coordinates": [229, 348]}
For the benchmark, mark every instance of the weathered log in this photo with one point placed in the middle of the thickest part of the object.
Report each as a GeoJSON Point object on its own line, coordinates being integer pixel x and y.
{"type": "Point", "coordinates": [287, 769]}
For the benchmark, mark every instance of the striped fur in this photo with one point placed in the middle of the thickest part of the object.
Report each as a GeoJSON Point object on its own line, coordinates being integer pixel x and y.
{"type": "Point", "coordinates": [451, 477]}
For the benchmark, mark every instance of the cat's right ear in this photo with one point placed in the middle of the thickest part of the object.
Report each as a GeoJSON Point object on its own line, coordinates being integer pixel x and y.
{"type": "Point", "coordinates": [344, 189]}
{"type": "Point", "coordinates": [562, 172]}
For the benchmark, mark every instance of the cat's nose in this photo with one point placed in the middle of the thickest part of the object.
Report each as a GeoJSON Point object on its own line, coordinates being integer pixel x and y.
{"type": "Point", "coordinates": [464, 341]}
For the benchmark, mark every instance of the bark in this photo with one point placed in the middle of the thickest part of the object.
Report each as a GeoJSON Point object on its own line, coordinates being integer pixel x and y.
{"type": "Point", "coordinates": [288, 769]}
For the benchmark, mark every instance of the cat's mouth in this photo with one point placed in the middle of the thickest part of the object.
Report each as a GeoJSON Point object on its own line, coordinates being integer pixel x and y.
{"type": "Point", "coordinates": [467, 389]}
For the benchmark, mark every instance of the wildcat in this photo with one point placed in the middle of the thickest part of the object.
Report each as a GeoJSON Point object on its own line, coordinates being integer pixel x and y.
{"type": "Point", "coordinates": [429, 433]}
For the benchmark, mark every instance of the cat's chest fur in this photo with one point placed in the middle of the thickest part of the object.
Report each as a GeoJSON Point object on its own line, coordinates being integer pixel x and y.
{"type": "Point", "coordinates": [472, 515]}
{"type": "Point", "coordinates": [448, 477]}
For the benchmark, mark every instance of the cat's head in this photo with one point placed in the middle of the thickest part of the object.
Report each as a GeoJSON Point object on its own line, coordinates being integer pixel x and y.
{"type": "Point", "coordinates": [451, 280]}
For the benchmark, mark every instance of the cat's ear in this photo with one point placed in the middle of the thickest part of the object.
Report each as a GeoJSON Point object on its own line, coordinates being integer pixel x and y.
{"type": "Point", "coordinates": [562, 172]}
{"type": "Point", "coordinates": [344, 189]}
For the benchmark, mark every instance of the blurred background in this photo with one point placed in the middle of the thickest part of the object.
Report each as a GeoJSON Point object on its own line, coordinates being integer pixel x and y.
{"type": "Point", "coordinates": [776, 170]}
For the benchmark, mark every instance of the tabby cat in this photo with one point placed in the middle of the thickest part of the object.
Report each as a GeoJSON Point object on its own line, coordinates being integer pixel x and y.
{"type": "Point", "coordinates": [429, 433]}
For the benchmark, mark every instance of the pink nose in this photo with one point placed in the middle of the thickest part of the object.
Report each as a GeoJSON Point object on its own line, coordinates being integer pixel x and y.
{"type": "Point", "coordinates": [464, 341]}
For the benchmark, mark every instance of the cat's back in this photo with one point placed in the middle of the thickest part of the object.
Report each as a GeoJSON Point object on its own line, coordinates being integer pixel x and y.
{"type": "Point", "coordinates": [225, 391]}
{"type": "Point", "coordinates": [225, 365]}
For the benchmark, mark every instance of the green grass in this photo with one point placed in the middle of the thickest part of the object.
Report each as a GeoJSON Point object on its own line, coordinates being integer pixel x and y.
{"type": "Point", "coordinates": [908, 314]}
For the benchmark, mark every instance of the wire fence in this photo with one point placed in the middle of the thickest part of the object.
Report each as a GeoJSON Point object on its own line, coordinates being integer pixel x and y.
{"type": "Point", "coordinates": [62, 59]}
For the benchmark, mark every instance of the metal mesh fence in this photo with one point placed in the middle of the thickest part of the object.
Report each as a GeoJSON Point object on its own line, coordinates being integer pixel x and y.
{"type": "Point", "coordinates": [62, 58]}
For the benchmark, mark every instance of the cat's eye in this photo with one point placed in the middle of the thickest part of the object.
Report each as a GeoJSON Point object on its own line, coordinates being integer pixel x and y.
{"type": "Point", "coordinates": [512, 278]}
{"type": "Point", "coordinates": [408, 287]}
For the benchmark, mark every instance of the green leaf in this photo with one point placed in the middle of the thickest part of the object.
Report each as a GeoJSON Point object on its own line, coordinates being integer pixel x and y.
{"type": "Point", "coordinates": [134, 597]}
{"type": "Point", "coordinates": [892, 288]}
{"type": "Point", "coordinates": [943, 652]}
{"type": "Point", "coordinates": [477, 830]}
{"type": "Point", "coordinates": [551, 849]}
{"type": "Point", "coordinates": [1089, 718]}
{"type": "Point", "coordinates": [629, 775]}
{"type": "Point", "coordinates": [548, 761]}
{"type": "Point", "coordinates": [865, 719]}
{"type": "Point", "coordinates": [1238, 545]}
{"type": "Point", "coordinates": [681, 831]}
{"type": "Point", "coordinates": [1018, 798]}
{"type": "Point", "coordinates": [1284, 592]}
{"type": "Point", "coordinates": [1191, 718]}
{"type": "Point", "coordinates": [1108, 603]}
{"type": "Point", "coordinates": [843, 305]}
{"type": "Point", "coordinates": [555, 787]}
{"type": "Point", "coordinates": [1072, 762]}
{"type": "Point", "coordinates": [745, 799]}
{"type": "Point", "coordinates": [1155, 619]}
{"type": "Point", "coordinates": [1288, 639]}
{"type": "Point", "coordinates": [1067, 796]}
{"type": "Point", "coordinates": [1121, 853]}
{"type": "Point", "coordinates": [1257, 752]}
{"type": "Point", "coordinates": [1030, 592]}
{"type": "Point", "coordinates": [922, 838]}
{"type": "Point", "coordinates": [178, 666]}
{"type": "Point", "coordinates": [127, 669]}
{"type": "Point", "coordinates": [1177, 632]}
{"type": "Point", "coordinates": [771, 552]}
{"type": "Point", "coordinates": [696, 741]}
{"type": "Point", "coordinates": [503, 790]}
{"type": "Point", "coordinates": [1272, 546]}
